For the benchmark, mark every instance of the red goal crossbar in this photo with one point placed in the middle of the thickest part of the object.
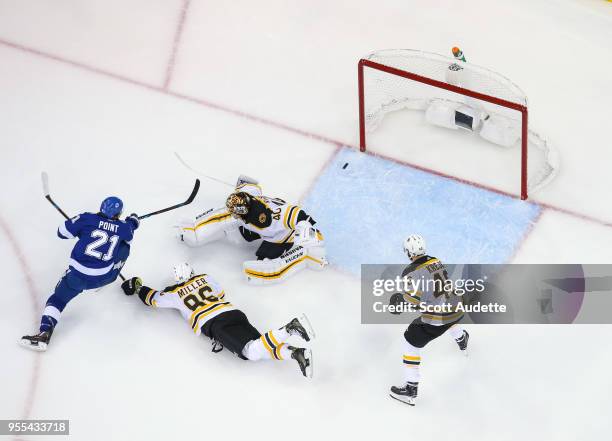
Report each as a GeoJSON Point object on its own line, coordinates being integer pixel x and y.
{"type": "Point", "coordinates": [442, 85]}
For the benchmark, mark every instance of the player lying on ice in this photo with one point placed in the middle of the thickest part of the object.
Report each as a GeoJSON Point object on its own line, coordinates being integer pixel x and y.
{"type": "Point", "coordinates": [289, 240]}
{"type": "Point", "coordinates": [430, 325]}
{"type": "Point", "coordinates": [101, 250]}
{"type": "Point", "coordinates": [202, 302]}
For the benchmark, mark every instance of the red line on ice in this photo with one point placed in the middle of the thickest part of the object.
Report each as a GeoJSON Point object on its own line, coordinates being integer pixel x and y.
{"type": "Point", "coordinates": [159, 89]}
{"type": "Point", "coordinates": [282, 126]}
{"type": "Point", "coordinates": [176, 43]}
{"type": "Point", "coordinates": [33, 296]}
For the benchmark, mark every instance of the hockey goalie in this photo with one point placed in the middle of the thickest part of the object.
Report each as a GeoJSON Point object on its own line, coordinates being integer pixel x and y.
{"type": "Point", "coordinates": [287, 236]}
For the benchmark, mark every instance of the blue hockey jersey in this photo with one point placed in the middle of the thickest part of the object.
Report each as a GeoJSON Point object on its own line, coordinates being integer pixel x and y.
{"type": "Point", "coordinates": [99, 239]}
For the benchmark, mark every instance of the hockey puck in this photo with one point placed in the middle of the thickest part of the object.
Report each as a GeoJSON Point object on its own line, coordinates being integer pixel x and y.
{"type": "Point", "coordinates": [345, 165]}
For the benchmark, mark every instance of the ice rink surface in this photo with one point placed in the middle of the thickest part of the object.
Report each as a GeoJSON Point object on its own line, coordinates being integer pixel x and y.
{"type": "Point", "coordinates": [100, 95]}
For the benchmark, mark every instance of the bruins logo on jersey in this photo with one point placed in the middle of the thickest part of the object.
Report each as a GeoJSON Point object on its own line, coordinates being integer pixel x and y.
{"type": "Point", "coordinates": [262, 218]}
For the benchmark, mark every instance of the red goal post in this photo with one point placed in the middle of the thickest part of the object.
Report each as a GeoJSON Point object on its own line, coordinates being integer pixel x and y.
{"type": "Point", "coordinates": [522, 108]}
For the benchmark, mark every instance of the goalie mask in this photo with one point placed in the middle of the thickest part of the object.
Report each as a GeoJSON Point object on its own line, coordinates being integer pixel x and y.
{"type": "Point", "coordinates": [238, 204]}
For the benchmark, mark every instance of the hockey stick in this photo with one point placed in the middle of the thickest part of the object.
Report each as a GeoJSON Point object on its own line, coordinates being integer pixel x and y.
{"type": "Point", "coordinates": [189, 200]}
{"type": "Point", "coordinates": [200, 173]}
{"type": "Point", "coordinates": [46, 192]}
{"type": "Point", "coordinates": [45, 184]}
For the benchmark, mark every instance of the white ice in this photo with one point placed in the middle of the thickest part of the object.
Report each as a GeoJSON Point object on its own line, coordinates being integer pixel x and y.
{"type": "Point", "coordinates": [120, 371]}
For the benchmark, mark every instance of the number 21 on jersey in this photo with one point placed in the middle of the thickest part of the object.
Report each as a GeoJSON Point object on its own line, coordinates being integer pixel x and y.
{"type": "Point", "coordinates": [101, 238]}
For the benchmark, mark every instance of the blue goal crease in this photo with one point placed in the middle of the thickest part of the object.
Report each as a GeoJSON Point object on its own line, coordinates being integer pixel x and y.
{"type": "Point", "coordinates": [366, 206]}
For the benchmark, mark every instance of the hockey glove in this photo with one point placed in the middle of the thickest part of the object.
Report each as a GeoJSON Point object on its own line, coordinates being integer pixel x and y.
{"type": "Point", "coordinates": [131, 286]}
{"type": "Point", "coordinates": [133, 220]}
{"type": "Point", "coordinates": [396, 300]}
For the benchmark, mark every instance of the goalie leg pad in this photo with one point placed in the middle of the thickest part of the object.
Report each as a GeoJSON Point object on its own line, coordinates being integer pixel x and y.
{"type": "Point", "coordinates": [316, 258]}
{"type": "Point", "coordinates": [207, 227]}
{"type": "Point", "coordinates": [270, 271]}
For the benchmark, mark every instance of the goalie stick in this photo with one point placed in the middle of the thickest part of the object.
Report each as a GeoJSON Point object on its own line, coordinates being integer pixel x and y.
{"type": "Point", "coordinates": [197, 172]}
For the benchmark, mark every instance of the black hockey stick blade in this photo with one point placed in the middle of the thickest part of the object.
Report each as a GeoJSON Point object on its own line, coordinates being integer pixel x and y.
{"type": "Point", "coordinates": [45, 184]}
{"type": "Point", "coordinates": [189, 200]}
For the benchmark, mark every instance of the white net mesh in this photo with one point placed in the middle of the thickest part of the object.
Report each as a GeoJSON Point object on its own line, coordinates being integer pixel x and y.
{"type": "Point", "coordinates": [386, 93]}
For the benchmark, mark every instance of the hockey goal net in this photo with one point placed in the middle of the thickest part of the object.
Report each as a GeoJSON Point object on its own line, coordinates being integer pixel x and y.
{"type": "Point", "coordinates": [467, 96]}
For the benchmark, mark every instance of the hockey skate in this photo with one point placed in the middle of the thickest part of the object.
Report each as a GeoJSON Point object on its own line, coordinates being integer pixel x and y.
{"type": "Point", "coordinates": [303, 356]}
{"type": "Point", "coordinates": [406, 394]}
{"type": "Point", "coordinates": [463, 342]}
{"type": "Point", "coordinates": [38, 342]}
{"type": "Point", "coordinates": [301, 326]}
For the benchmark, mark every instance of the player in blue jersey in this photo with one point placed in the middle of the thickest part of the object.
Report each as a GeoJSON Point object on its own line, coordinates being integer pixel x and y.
{"type": "Point", "coordinates": [103, 246]}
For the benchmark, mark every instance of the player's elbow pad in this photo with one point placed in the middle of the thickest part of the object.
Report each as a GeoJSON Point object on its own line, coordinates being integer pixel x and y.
{"type": "Point", "coordinates": [63, 232]}
{"type": "Point", "coordinates": [146, 294]}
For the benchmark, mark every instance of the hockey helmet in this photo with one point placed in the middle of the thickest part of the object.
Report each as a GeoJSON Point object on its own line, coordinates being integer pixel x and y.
{"type": "Point", "coordinates": [111, 207]}
{"type": "Point", "coordinates": [414, 246]}
{"type": "Point", "coordinates": [183, 272]}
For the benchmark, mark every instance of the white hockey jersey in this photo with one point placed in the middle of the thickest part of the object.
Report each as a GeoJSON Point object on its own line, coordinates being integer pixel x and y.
{"type": "Point", "coordinates": [199, 300]}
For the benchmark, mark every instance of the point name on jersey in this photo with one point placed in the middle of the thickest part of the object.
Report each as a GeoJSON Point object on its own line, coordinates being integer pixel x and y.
{"type": "Point", "coordinates": [113, 228]}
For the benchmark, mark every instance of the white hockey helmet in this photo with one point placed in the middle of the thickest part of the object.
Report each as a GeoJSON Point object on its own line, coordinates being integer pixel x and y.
{"type": "Point", "coordinates": [414, 246]}
{"type": "Point", "coordinates": [183, 272]}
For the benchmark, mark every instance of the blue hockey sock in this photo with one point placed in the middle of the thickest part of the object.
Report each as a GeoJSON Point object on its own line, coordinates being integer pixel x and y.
{"type": "Point", "coordinates": [49, 318]}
